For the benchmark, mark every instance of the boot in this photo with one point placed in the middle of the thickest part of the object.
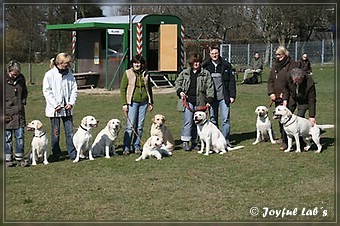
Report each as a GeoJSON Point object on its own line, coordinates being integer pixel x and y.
{"type": "Point", "coordinates": [186, 146]}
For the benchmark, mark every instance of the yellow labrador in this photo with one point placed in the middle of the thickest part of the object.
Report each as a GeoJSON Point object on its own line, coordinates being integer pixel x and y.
{"type": "Point", "coordinates": [105, 139]}
{"type": "Point", "coordinates": [153, 148]}
{"type": "Point", "coordinates": [210, 135]}
{"type": "Point", "coordinates": [296, 127]}
{"type": "Point", "coordinates": [39, 142]}
{"type": "Point", "coordinates": [82, 139]}
{"type": "Point", "coordinates": [263, 126]}
{"type": "Point", "coordinates": [158, 128]}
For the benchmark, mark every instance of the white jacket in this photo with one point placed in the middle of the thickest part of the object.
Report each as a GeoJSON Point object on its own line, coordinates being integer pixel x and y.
{"type": "Point", "coordinates": [59, 90]}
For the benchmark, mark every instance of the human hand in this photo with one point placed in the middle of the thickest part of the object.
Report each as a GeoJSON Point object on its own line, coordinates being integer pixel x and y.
{"type": "Point", "coordinates": [58, 109]}
{"type": "Point", "coordinates": [68, 107]}
{"type": "Point", "coordinates": [232, 100]}
{"type": "Point", "coordinates": [182, 94]}
{"type": "Point", "coordinates": [312, 121]}
{"type": "Point", "coordinates": [150, 107]}
{"type": "Point", "coordinates": [272, 97]}
{"type": "Point", "coordinates": [125, 108]}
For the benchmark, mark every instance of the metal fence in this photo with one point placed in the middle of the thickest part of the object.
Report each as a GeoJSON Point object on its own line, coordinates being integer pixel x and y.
{"type": "Point", "coordinates": [319, 52]}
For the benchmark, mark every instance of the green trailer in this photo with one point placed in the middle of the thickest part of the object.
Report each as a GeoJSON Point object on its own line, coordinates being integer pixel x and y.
{"type": "Point", "coordinates": [101, 46]}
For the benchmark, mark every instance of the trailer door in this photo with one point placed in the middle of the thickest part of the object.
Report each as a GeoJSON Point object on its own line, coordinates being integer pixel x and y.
{"type": "Point", "coordinates": [168, 47]}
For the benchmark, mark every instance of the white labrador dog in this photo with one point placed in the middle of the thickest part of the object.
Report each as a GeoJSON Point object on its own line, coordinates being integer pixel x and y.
{"type": "Point", "coordinates": [82, 139]}
{"type": "Point", "coordinates": [158, 128]}
{"type": "Point", "coordinates": [39, 142]}
{"type": "Point", "coordinates": [296, 127]}
{"type": "Point", "coordinates": [263, 126]}
{"type": "Point", "coordinates": [153, 148]}
{"type": "Point", "coordinates": [210, 135]}
{"type": "Point", "coordinates": [105, 139]}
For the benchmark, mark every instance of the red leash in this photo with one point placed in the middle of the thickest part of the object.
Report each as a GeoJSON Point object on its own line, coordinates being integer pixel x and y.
{"type": "Point", "coordinates": [204, 108]}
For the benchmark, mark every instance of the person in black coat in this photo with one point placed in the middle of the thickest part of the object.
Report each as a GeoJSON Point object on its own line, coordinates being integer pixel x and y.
{"type": "Point", "coordinates": [225, 89]}
{"type": "Point", "coordinates": [16, 95]}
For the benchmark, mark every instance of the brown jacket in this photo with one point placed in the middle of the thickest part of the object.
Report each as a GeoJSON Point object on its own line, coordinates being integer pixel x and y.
{"type": "Point", "coordinates": [16, 95]}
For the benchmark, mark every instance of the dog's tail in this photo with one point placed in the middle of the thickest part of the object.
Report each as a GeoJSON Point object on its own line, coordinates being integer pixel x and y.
{"type": "Point", "coordinates": [326, 126]}
{"type": "Point", "coordinates": [234, 148]}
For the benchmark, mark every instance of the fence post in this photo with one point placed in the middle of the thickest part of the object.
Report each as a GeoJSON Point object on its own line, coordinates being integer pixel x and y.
{"type": "Point", "coordinates": [271, 55]}
{"type": "Point", "coordinates": [248, 54]}
{"type": "Point", "coordinates": [296, 50]}
{"type": "Point", "coordinates": [322, 51]}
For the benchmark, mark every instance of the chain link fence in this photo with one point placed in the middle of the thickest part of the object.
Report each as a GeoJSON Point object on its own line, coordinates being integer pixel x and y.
{"type": "Point", "coordinates": [319, 52]}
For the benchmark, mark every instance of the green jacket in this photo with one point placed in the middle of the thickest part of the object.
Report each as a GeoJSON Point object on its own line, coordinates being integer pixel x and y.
{"type": "Point", "coordinates": [205, 86]}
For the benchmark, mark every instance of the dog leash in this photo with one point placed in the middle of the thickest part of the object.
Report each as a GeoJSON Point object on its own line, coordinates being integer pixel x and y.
{"type": "Point", "coordinates": [185, 103]}
{"type": "Point", "coordinates": [133, 128]}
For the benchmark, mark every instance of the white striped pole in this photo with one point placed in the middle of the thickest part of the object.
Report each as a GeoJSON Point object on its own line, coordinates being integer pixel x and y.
{"type": "Point", "coordinates": [182, 47]}
{"type": "Point", "coordinates": [139, 38]}
{"type": "Point", "coordinates": [74, 36]}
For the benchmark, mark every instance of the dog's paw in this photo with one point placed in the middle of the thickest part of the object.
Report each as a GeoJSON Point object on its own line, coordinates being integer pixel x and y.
{"type": "Point", "coordinates": [107, 157]}
{"type": "Point", "coordinates": [45, 162]}
{"type": "Point", "coordinates": [298, 151]}
{"type": "Point", "coordinates": [273, 142]}
{"type": "Point", "coordinates": [255, 142]}
{"type": "Point", "coordinates": [306, 148]}
{"type": "Point", "coordinates": [34, 164]}
{"type": "Point", "coordinates": [76, 160]}
{"type": "Point", "coordinates": [91, 158]}
{"type": "Point", "coordinates": [287, 150]}
{"type": "Point", "coordinates": [200, 152]}
{"type": "Point", "coordinates": [170, 153]}
{"type": "Point", "coordinates": [206, 154]}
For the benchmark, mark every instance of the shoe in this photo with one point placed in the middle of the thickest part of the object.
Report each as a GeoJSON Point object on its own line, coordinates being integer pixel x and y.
{"type": "Point", "coordinates": [229, 145]}
{"type": "Point", "coordinates": [283, 146]}
{"type": "Point", "coordinates": [10, 164]}
{"type": "Point", "coordinates": [23, 163]}
{"type": "Point", "coordinates": [126, 152]}
{"type": "Point", "coordinates": [242, 82]}
{"type": "Point", "coordinates": [186, 146]}
{"type": "Point", "coordinates": [195, 147]}
{"type": "Point", "coordinates": [138, 152]}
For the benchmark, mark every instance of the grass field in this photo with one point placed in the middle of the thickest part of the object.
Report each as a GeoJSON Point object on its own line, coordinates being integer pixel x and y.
{"type": "Point", "coordinates": [187, 186]}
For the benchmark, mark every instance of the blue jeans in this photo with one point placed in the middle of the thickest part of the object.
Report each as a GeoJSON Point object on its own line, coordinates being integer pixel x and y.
{"type": "Point", "coordinates": [136, 117]}
{"type": "Point", "coordinates": [189, 128]}
{"type": "Point", "coordinates": [19, 144]}
{"type": "Point", "coordinates": [225, 116]}
{"type": "Point", "coordinates": [55, 132]}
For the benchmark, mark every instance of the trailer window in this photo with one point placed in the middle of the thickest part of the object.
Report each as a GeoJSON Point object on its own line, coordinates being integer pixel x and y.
{"type": "Point", "coordinates": [115, 43]}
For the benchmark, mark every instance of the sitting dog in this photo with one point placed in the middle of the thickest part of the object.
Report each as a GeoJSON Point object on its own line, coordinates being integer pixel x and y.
{"type": "Point", "coordinates": [263, 126]}
{"type": "Point", "coordinates": [153, 147]}
{"type": "Point", "coordinates": [296, 127]}
{"type": "Point", "coordinates": [39, 142]}
{"type": "Point", "coordinates": [82, 139]}
{"type": "Point", "coordinates": [105, 139]}
{"type": "Point", "coordinates": [158, 128]}
{"type": "Point", "coordinates": [210, 135]}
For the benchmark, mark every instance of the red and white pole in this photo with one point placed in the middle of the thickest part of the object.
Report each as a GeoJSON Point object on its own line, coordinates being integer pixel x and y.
{"type": "Point", "coordinates": [139, 38]}
{"type": "Point", "coordinates": [74, 37]}
{"type": "Point", "coordinates": [182, 47]}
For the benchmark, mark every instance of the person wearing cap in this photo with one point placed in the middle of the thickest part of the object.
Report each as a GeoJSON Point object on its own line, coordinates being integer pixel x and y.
{"type": "Point", "coordinates": [302, 94]}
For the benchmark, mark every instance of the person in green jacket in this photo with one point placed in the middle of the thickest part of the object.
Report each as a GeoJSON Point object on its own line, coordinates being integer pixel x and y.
{"type": "Point", "coordinates": [256, 66]}
{"type": "Point", "coordinates": [194, 86]}
{"type": "Point", "coordinates": [136, 98]}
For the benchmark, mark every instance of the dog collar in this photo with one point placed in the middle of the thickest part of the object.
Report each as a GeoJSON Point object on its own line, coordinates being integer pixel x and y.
{"type": "Point", "coordinates": [40, 135]}
{"type": "Point", "coordinates": [83, 128]}
{"type": "Point", "coordinates": [290, 117]}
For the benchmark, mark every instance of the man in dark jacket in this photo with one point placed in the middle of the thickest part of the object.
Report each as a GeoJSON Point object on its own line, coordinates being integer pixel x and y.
{"type": "Point", "coordinates": [225, 89]}
{"type": "Point", "coordinates": [302, 94]}
{"type": "Point", "coordinates": [16, 94]}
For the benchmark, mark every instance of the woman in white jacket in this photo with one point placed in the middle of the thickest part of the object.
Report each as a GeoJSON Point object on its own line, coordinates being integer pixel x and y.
{"type": "Point", "coordinates": [60, 92]}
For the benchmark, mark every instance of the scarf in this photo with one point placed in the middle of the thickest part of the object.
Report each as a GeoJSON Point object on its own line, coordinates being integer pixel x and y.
{"type": "Point", "coordinates": [281, 64]}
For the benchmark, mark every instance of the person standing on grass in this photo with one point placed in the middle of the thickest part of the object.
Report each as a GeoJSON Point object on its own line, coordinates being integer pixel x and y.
{"type": "Point", "coordinates": [225, 89]}
{"type": "Point", "coordinates": [16, 95]}
{"type": "Point", "coordinates": [195, 86]}
{"type": "Point", "coordinates": [305, 64]}
{"type": "Point", "coordinates": [60, 92]}
{"type": "Point", "coordinates": [277, 83]}
{"type": "Point", "coordinates": [256, 66]}
{"type": "Point", "coordinates": [136, 98]}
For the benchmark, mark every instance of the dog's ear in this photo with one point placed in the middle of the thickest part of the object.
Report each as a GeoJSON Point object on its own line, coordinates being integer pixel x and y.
{"type": "Point", "coordinates": [39, 125]}
{"type": "Point", "coordinates": [149, 141]}
{"type": "Point", "coordinates": [163, 118]}
{"type": "Point", "coordinates": [266, 109]}
{"type": "Point", "coordinates": [153, 119]}
{"type": "Point", "coordinates": [84, 121]}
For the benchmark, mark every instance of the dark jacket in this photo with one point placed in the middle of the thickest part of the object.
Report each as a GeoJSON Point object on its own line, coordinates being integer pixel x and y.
{"type": "Point", "coordinates": [229, 82]}
{"type": "Point", "coordinates": [305, 65]}
{"type": "Point", "coordinates": [16, 95]}
{"type": "Point", "coordinates": [305, 97]}
{"type": "Point", "coordinates": [278, 78]}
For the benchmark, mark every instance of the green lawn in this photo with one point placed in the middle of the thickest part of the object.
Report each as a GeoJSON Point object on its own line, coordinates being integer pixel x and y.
{"type": "Point", "coordinates": [187, 186]}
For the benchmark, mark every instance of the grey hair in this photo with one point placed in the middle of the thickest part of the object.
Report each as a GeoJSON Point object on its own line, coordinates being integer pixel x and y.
{"type": "Point", "coordinates": [13, 65]}
{"type": "Point", "coordinates": [297, 72]}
